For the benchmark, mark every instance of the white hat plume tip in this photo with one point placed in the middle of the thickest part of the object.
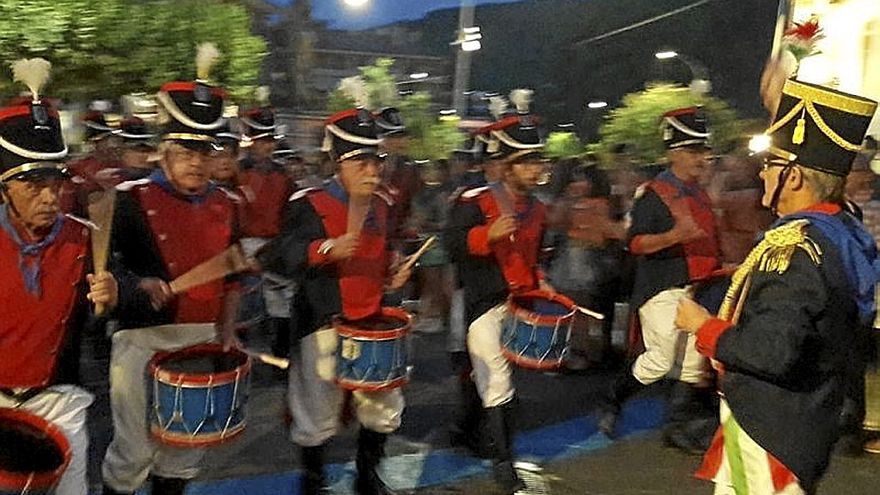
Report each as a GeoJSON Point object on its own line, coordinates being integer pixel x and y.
{"type": "Point", "coordinates": [206, 56]}
{"type": "Point", "coordinates": [33, 73]}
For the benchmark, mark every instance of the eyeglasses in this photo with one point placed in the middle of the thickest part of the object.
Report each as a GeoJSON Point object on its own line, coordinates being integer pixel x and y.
{"type": "Point", "coordinates": [768, 164]}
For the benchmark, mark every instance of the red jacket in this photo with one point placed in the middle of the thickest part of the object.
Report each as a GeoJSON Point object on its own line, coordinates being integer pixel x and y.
{"type": "Point", "coordinates": [265, 194]}
{"type": "Point", "coordinates": [33, 329]}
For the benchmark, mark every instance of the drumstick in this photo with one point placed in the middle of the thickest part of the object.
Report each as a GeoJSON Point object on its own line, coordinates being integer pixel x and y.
{"type": "Point", "coordinates": [418, 254]}
{"type": "Point", "coordinates": [358, 207]}
{"type": "Point", "coordinates": [100, 208]}
{"type": "Point", "coordinates": [230, 261]}
{"type": "Point", "coordinates": [598, 316]}
{"type": "Point", "coordinates": [268, 358]}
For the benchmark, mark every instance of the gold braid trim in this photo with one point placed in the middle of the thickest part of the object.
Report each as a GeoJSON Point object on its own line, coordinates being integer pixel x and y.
{"type": "Point", "coordinates": [772, 254]}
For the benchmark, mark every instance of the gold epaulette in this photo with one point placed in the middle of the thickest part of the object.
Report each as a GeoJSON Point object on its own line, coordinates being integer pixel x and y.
{"type": "Point", "coordinates": [772, 254]}
{"type": "Point", "coordinates": [779, 245]}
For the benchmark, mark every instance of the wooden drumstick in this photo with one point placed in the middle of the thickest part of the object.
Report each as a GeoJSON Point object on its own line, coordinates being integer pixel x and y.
{"type": "Point", "coordinates": [100, 208]}
{"type": "Point", "coordinates": [268, 359]}
{"type": "Point", "coordinates": [598, 316]}
{"type": "Point", "coordinates": [418, 254]}
{"type": "Point", "coordinates": [358, 208]}
{"type": "Point", "coordinates": [230, 261]}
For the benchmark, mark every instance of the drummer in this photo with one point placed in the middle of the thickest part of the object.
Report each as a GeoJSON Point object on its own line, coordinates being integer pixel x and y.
{"type": "Point", "coordinates": [340, 268]}
{"type": "Point", "coordinates": [43, 280]}
{"type": "Point", "coordinates": [163, 226]}
{"type": "Point", "coordinates": [494, 235]}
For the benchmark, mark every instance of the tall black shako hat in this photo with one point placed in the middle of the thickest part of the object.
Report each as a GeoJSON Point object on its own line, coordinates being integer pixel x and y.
{"type": "Point", "coordinates": [352, 132]}
{"type": "Point", "coordinates": [390, 122]}
{"type": "Point", "coordinates": [135, 133]}
{"type": "Point", "coordinates": [685, 128]}
{"type": "Point", "coordinates": [31, 142]}
{"type": "Point", "coordinates": [259, 122]}
{"type": "Point", "coordinates": [818, 127]}
{"type": "Point", "coordinates": [191, 112]}
{"type": "Point", "coordinates": [95, 121]}
{"type": "Point", "coordinates": [516, 136]}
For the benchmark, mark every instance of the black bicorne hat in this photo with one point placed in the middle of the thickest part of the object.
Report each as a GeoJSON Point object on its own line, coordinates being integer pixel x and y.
{"type": "Point", "coordinates": [685, 127]}
{"type": "Point", "coordinates": [513, 138]}
{"type": "Point", "coordinates": [259, 123]}
{"type": "Point", "coordinates": [351, 133]}
{"type": "Point", "coordinates": [134, 132]}
{"type": "Point", "coordinates": [818, 127]}
{"type": "Point", "coordinates": [96, 125]}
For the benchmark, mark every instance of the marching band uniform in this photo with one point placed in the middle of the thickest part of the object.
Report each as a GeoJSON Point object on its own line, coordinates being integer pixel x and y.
{"type": "Point", "coordinates": [160, 233]}
{"type": "Point", "coordinates": [489, 273]}
{"type": "Point", "coordinates": [665, 276]}
{"type": "Point", "coordinates": [42, 291]}
{"type": "Point", "coordinates": [265, 187]}
{"type": "Point", "coordinates": [787, 331]}
{"type": "Point", "coordinates": [352, 288]}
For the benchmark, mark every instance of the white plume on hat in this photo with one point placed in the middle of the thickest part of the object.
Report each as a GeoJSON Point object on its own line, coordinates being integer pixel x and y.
{"type": "Point", "coordinates": [33, 73]}
{"type": "Point", "coordinates": [521, 99]}
{"type": "Point", "coordinates": [262, 93]}
{"type": "Point", "coordinates": [498, 106]}
{"type": "Point", "coordinates": [206, 56]}
{"type": "Point", "coordinates": [355, 88]}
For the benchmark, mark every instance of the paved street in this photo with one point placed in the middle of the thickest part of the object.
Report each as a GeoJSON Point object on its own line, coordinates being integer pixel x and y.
{"type": "Point", "coordinates": [558, 445]}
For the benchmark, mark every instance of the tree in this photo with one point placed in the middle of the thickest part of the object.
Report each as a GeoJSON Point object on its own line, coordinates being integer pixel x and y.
{"type": "Point", "coordinates": [109, 48]}
{"type": "Point", "coordinates": [563, 145]}
{"type": "Point", "coordinates": [430, 138]}
{"type": "Point", "coordinates": [636, 122]}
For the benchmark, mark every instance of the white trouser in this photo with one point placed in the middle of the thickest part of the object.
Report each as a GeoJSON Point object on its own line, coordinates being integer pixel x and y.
{"type": "Point", "coordinates": [133, 455]}
{"type": "Point", "coordinates": [65, 406]}
{"type": "Point", "coordinates": [667, 348]}
{"type": "Point", "coordinates": [492, 371]}
{"type": "Point", "coordinates": [315, 400]}
{"type": "Point", "coordinates": [457, 340]}
{"type": "Point", "coordinates": [277, 290]}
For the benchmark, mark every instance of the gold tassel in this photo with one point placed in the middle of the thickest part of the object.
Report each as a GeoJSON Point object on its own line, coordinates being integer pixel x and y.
{"type": "Point", "coordinates": [800, 129]}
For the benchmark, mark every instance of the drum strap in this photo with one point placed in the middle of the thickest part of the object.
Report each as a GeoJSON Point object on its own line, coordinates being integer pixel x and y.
{"type": "Point", "coordinates": [21, 396]}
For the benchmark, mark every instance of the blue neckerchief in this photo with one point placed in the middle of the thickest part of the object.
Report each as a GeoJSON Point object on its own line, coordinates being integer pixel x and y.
{"type": "Point", "coordinates": [334, 188]}
{"type": "Point", "coordinates": [29, 254]}
{"type": "Point", "coordinates": [858, 252]}
{"type": "Point", "coordinates": [692, 190]}
{"type": "Point", "coordinates": [158, 176]}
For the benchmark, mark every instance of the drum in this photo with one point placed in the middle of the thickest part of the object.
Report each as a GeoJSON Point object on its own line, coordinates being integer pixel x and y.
{"type": "Point", "coordinates": [537, 330]}
{"type": "Point", "coordinates": [373, 353]}
{"type": "Point", "coordinates": [199, 395]}
{"type": "Point", "coordinates": [33, 453]}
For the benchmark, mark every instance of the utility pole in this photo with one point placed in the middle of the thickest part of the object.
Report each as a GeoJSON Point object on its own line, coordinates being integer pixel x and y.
{"type": "Point", "coordinates": [462, 60]}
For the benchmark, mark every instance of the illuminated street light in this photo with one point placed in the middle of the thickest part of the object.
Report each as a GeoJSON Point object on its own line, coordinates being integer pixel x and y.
{"type": "Point", "coordinates": [665, 55]}
{"type": "Point", "coordinates": [419, 75]}
{"type": "Point", "coordinates": [700, 84]}
{"type": "Point", "coordinates": [356, 4]}
{"type": "Point", "coordinates": [595, 105]}
{"type": "Point", "coordinates": [471, 46]}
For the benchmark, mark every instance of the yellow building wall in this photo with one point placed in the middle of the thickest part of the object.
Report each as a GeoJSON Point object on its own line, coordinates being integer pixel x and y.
{"type": "Point", "coordinates": [850, 58]}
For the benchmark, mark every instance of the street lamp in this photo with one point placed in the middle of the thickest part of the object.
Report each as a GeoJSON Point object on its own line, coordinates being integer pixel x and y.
{"type": "Point", "coordinates": [700, 83]}
{"type": "Point", "coordinates": [356, 4]}
{"type": "Point", "coordinates": [595, 105]}
{"type": "Point", "coordinates": [418, 75]}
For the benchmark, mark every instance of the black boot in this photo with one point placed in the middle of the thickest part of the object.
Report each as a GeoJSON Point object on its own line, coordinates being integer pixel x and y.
{"type": "Point", "coordinates": [109, 491]}
{"type": "Point", "coordinates": [371, 449]}
{"type": "Point", "coordinates": [683, 429]}
{"type": "Point", "coordinates": [168, 486]}
{"type": "Point", "coordinates": [313, 481]}
{"type": "Point", "coordinates": [624, 387]}
{"type": "Point", "coordinates": [499, 436]}
{"type": "Point", "coordinates": [280, 328]}
{"type": "Point", "coordinates": [466, 430]}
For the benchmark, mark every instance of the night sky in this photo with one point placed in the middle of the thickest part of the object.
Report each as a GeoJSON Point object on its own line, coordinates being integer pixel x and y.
{"type": "Point", "coordinates": [378, 12]}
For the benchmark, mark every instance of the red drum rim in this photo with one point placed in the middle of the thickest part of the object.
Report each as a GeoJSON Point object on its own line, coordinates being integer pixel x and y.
{"type": "Point", "coordinates": [532, 363]}
{"type": "Point", "coordinates": [345, 328]}
{"type": "Point", "coordinates": [371, 386]}
{"type": "Point", "coordinates": [198, 379]}
{"type": "Point", "coordinates": [537, 318]}
{"type": "Point", "coordinates": [185, 440]}
{"type": "Point", "coordinates": [42, 480]}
